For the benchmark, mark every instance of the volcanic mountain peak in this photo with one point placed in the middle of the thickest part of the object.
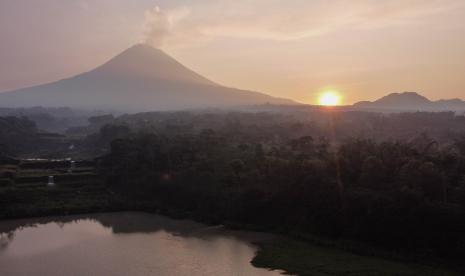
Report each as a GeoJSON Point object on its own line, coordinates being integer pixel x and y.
{"type": "Point", "coordinates": [141, 78]}
{"type": "Point", "coordinates": [145, 62]}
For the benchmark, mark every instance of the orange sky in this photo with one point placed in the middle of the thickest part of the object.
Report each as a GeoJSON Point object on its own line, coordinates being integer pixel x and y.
{"type": "Point", "coordinates": [286, 48]}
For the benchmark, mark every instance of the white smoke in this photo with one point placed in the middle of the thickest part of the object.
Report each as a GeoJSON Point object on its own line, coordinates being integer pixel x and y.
{"type": "Point", "coordinates": [157, 27]}
{"type": "Point", "coordinates": [270, 20]}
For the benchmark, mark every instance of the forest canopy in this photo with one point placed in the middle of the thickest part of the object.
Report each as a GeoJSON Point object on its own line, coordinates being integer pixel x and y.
{"type": "Point", "coordinates": [401, 186]}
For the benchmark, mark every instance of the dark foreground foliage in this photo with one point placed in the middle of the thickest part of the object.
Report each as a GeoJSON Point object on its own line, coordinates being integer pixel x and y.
{"type": "Point", "coordinates": [404, 195]}
{"type": "Point", "coordinates": [304, 259]}
{"type": "Point", "coordinates": [396, 181]}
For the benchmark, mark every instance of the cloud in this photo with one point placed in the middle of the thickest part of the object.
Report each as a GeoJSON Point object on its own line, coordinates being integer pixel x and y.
{"type": "Point", "coordinates": [281, 20]}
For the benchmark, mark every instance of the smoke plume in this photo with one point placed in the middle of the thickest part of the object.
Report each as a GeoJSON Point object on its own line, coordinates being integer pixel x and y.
{"type": "Point", "coordinates": [157, 27]}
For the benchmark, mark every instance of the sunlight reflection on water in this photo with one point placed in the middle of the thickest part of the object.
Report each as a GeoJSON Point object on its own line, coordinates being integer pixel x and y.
{"type": "Point", "coordinates": [124, 244]}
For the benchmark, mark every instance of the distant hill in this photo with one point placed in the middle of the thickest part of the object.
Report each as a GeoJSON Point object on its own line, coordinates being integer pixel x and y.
{"type": "Point", "coordinates": [140, 78]}
{"type": "Point", "coordinates": [411, 101]}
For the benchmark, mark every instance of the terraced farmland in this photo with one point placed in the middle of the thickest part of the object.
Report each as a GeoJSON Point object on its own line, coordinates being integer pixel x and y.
{"type": "Point", "coordinates": [24, 190]}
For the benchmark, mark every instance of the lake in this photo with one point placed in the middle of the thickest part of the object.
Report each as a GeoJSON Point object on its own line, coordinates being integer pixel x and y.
{"type": "Point", "coordinates": [126, 243]}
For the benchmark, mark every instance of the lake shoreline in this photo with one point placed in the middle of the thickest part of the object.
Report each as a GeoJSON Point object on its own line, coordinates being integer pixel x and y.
{"type": "Point", "coordinates": [92, 196]}
{"type": "Point", "coordinates": [105, 243]}
{"type": "Point", "coordinates": [270, 253]}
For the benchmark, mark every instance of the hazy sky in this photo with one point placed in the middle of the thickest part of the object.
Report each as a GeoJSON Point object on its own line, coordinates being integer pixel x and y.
{"type": "Point", "coordinates": [287, 48]}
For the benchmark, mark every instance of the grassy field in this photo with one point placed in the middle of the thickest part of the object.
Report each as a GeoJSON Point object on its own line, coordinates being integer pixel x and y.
{"type": "Point", "coordinates": [302, 258]}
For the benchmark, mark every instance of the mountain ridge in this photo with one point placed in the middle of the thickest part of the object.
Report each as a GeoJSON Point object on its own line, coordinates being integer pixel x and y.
{"type": "Point", "coordinates": [412, 101]}
{"type": "Point", "coordinates": [141, 78]}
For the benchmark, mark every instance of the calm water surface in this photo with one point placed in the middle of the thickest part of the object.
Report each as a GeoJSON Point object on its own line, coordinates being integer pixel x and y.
{"type": "Point", "coordinates": [124, 244]}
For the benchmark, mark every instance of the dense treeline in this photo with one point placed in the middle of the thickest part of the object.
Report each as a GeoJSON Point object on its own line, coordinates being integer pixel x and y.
{"type": "Point", "coordinates": [393, 180]}
{"type": "Point", "coordinates": [20, 137]}
{"type": "Point", "coordinates": [275, 172]}
{"type": "Point", "coordinates": [441, 126]}
{"type": "Point", "coordinates": [17, 134]}
{"type": "Point", "coordinates": [51, 119]}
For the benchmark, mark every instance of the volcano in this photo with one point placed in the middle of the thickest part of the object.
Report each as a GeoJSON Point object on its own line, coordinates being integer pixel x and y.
{"type": "Point", "coordinates": [141, 78]}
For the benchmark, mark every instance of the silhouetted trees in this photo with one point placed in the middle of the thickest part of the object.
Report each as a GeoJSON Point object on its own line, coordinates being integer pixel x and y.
{"type": "Point", "coordinates": [394, 180]}
{"type": "Point", "coordinates": [397, 193]}
{"type": "Point", "coordinates": [17, 135]}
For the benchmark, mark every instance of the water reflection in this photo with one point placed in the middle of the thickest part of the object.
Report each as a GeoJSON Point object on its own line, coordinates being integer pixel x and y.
{"type": "Point", "coordinates": [124, 244]}
{"type": "Point", "coordinates": [129, 222]}
{"type": "Point", "coordinates": [5, 239]}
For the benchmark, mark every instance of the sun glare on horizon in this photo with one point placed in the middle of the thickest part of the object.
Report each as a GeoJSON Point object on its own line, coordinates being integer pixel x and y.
{"type": "Point", "coordinates": [330, 98]}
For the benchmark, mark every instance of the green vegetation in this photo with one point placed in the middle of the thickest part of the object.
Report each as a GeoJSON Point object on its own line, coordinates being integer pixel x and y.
{"type": "Point", "coordinates": [394, 183]}
{"type": "Point", "coordinates": [25, 193]}
{"type": "Point", "coordinates": [297, 257]}
{"type": "Point", "coordinates": [391, 194]}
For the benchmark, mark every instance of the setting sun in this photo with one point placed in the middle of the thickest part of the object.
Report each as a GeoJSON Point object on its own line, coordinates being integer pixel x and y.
{"type": "Point", "coordinates": [330, 98]}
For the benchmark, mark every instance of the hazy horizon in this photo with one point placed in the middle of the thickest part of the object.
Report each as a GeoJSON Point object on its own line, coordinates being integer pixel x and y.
{"type": "Point", "coordinates": [289, 49]}
{"type": "Point", "coordinates": [255, 137]}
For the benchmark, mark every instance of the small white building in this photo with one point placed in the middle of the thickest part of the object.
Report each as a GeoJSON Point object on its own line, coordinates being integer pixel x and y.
{"type": "Point", "coordinates": [51, 181]}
